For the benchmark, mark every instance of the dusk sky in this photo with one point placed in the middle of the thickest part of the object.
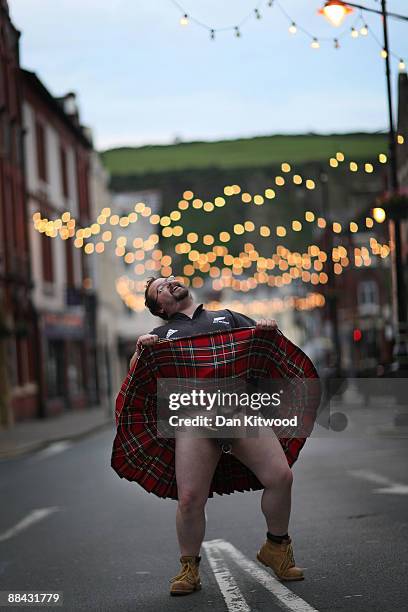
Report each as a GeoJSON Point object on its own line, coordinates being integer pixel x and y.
{"type": "Point", "coordinates": [142, 78]}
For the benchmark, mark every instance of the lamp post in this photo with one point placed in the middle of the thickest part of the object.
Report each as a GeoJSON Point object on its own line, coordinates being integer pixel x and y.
{"type": "Point", "coordinates": [331, 290]}
{"type": "Point", "coordinates": [335, 11]}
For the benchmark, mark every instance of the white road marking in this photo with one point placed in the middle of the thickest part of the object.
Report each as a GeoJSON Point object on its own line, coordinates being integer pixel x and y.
{"type": "Point", "coordinates": [229, 589]}
{"type": "Point", "coordinates": [33, 517]}
{"type": "Point", "coordinates": [389, 485]}
{"type": "Point", "coordinates": [234, 599]}
{"type": "Point", "coordinates": [52, 449]}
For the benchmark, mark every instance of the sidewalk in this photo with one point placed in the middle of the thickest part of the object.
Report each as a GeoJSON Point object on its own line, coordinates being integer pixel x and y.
{"type": "Point", "coordinates": [379, 415]}
{"type": "Point", "coordinates": [378, 418]}
{"type": "Point", "coordinates": [29, 436]}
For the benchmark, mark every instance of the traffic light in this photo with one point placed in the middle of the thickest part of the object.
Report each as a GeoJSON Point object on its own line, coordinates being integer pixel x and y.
{"type": "Point", "coordinates": [357, 335]}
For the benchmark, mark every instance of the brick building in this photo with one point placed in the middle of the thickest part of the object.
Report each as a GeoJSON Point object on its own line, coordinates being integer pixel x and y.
{"type": "Point", "coordinates": [58, 158]}
{"type": "Point", "coordinates": [402, 157]}
{"type": "Point", "coordinates": [18, 390]}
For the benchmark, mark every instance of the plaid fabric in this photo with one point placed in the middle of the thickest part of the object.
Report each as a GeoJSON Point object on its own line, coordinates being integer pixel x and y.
{"type": "Point", "coordinates": [139, 455]}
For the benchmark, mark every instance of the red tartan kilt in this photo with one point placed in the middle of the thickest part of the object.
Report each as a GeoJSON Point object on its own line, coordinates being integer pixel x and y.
{"type": "Point", "coordinates": [139, 455]}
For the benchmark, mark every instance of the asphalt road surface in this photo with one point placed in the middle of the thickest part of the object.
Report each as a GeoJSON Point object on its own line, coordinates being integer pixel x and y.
{"type": "Point", "coordinates": [70, 524]}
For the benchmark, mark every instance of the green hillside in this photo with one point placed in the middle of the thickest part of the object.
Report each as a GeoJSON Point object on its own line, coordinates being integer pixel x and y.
{"type": "Point", "coordinates": [242, 153]}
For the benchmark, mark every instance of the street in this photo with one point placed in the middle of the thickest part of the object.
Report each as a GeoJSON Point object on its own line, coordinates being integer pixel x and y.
{"type": "Point", "coordinates": [231, 211]}
{"type": "Point", "coordinates": [70, 524]}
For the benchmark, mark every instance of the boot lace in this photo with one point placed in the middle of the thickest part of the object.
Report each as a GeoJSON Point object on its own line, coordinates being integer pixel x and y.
{"type": "Point", "coordinates": [289, 560]}
{"type": "Point", "coordinates": [186, 572]}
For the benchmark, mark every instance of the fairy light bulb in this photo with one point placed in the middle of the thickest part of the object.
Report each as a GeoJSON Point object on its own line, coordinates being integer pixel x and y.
{"type": "Point", "coordinates": [184, 20]}
{"type": "Point", "coordinates": [292, 28]}
{"type": "Point", "coordinates": [237, 32]}
{"type": "Point", "coordinates": [315, 44]}
{"type": "Point", "coordinates": [354, 33]}
{"type": "Point", "coordinates": [336, 43]}
{"type": "Point", "coordinates": [257, 14]}
{"type": "Point", "coordinates": [379, 214]}
{"type": "Point", "coordinates": [364, 30]}
{"type": "Point", "coordinates": [384, 54]}
{"type": "Point", "coordinates": [401, 65]}
{"type": "Point", "coordinates": [212, 34]}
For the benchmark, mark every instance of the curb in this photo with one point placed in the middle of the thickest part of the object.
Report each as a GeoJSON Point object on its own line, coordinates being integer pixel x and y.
{"type": "Point", "coordinates": [392, 432]}
{"type": "Point", "coordinates": [33, 447]}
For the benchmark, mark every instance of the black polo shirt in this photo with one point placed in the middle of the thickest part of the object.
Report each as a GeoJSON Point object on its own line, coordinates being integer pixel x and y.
{"type": "Point", "coordinates": [202, 321]}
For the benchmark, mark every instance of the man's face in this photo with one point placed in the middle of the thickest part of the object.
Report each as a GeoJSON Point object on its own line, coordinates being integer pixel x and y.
{"type": "Point", "coordinates": [168, 294]}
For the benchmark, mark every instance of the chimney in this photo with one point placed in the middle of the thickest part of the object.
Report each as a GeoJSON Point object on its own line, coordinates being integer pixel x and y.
{"type": "Point", "coordinates": [70, 106]}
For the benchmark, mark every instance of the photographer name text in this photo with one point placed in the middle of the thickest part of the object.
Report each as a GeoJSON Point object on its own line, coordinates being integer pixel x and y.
{"type": "Point", "coordinates": [222, 421]}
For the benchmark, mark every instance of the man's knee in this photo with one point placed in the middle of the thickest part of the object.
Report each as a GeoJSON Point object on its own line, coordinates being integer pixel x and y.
{"type": "Point", "coordinates": [191, 501]}
{"type": "Point", "coordinates": [281, 477]}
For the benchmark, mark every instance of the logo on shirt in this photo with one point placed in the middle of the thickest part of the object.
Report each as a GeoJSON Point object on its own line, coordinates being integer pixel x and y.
{"type": "Point", "coordinates": [220, 320]}
{"type": "Point", "coordinates": [171, 332]}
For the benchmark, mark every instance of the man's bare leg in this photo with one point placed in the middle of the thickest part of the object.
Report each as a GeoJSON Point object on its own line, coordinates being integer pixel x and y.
{"type": "Point", "coordinates": [264, 456]}
{"type": "Point", "coordinates": [196, 460]}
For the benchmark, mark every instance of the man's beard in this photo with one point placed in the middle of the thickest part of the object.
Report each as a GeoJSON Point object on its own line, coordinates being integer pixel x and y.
{"type": "Point", "coordinates": [180, 293]}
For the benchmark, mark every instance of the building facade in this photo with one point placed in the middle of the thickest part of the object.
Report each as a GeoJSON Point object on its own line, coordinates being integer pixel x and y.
{"type": "Point", "coordinates": [58, 157]}
{"type": "Point", "coordinates": [105, 267]}
{"type": "Point", "coordinates": [18, 388]}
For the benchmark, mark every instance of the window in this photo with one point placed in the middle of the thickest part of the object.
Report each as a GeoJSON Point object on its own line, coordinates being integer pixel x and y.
{"type": "Point", "coordinates": [3, 84]}
{"type": "Point", "coordinates": [11, 361]}
{"type": "Point", "coordinates": [41, 151]}
{"type": "Point", "coordinates": [69, 259]}
{"type": "Point", "coordinates": [368, 298]}
{"type": "Point", "coordinates": [18, 145]}
{"type": "Point", "coordinates": [7, 137]}
{"type": "Point", "coordinates": [55, 368]}
{"type": "Point", "coordinates": [64, 172]}
{"type": "Point", "coordinates": [47, 260]}
{"type": "Point", "coordinates": [368, 293]}
{"type": "Point", "coordinates": [75, 368]}
{"type": "Point", "coordinates": [12, 89]}
{"type": "Point", "coordinates": [83, 194]}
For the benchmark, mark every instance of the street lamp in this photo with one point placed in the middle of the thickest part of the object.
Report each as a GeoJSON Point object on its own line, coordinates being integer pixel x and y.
{"type": "Point", "coordinates": [335, 11]}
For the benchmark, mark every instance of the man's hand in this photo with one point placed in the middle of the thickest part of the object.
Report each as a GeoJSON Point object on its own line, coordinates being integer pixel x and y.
{"type": "Point", "coordinates": [145, 340]}
{"type": "Point", "coordinates": [266, 324]}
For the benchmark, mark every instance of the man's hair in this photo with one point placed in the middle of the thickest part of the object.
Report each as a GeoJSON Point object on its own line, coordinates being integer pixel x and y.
{"type": "Point", "coordinates": [150, 302]}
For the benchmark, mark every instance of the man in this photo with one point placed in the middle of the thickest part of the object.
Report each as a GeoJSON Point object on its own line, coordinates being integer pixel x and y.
{"type": "Point", "coordinates": [197, 458]}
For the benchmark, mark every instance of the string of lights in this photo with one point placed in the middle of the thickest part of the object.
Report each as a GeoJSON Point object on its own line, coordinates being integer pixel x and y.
{"type": "Point", "coordinates": [125, 288]}
{"type": "Point", "coordinates": [359, 26]}
{"type": "Point", "coordinates": [64, 226]}
{"type": "Point", "coordinates": [383, 52]}
{"type": "Point", "coordinates": [284, 259]}
{"type": "Point", "coordinates": [315, 44]}
{"type": "Point", "coordinates": [297, 264]}
{"type": "Point", "coordinates": [142, 245]}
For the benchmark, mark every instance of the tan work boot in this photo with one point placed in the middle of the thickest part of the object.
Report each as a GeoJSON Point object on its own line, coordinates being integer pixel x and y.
{"type": "Point", "coordinates": [188, 579]}
{"type": "Point", "coordinates": [280, 558]}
